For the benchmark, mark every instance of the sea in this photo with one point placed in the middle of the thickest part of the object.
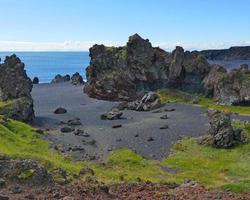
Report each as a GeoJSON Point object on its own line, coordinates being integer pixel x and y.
{"type": "Point", "coordinates": [45, 65]}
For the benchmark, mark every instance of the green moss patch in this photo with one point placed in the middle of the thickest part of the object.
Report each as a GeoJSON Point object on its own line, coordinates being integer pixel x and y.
{"type": "Point", "coordinates": [169, 96]}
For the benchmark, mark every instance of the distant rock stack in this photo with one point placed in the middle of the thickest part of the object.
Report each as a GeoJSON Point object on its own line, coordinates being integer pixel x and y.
{"type": "Point", "coordinates": [16, 86]}
{"type": "Point", "coordinates": [60, 79]}
{"type": "Point", "coordinates": [124, 73]}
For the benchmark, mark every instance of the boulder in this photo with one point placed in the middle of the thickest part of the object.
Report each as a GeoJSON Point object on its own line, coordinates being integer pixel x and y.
{"type": "Point", "coordinates": [76, 79]}
{"type": "Point", "coordinates": [27, 172]}
{"type": "Point", "coordinates": [221, 133]}
{"type": "Point", "coordinates": [114, 114]}
{"type": "Point", "coordinates": [231, 88]}
{"type": "Point", "coordinates": [149, 101]}
{"type": "Point", "coordinates": [35, 80]}
{"type": "Point", "coordinates": [60, 79]}
{"type": "Point", "coordinates": [15, 87]}
{"type": "Point", "coordinates": [60, 110]}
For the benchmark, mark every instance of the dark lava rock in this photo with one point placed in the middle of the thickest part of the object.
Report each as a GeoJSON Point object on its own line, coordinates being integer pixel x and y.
{"type": "Point", "coordinates": [76, 79]}
{"type": "Point", "coordinates": [60, 110]}
{"type": "Point", "coordinates": [149, 101]}
{"type": "Point", "coordinates": [25, 172]}
{"type": "Point", "coordinates": [92, 142]}
{"type": "Point", "coordinates": [169, 110]}
{"type": "Point", "coordinates": [117, 126]}
{"type": "Point", "coordinates": [114, 114]}
{"type": "Point", "coordinates": [67, 129]}
{"type": "Point", "coordinates": [35, 80]}
{"type": "Point", "coordinates": [16, 87]}
{"type": "Point", "coordinates": [125, 73]}
{"type": "Point", "coordinates": [74, 122]}
{"type": "Point", "coordinates": [221, 133]}
{"type": "Point", "coordinates": [60, 79]}
{"type": "Point", "coordinates": [164, 127]}
{"type": "Point", "coordinates": [231, 88]}
{"type": "Point", "coordinates": [136, 135]}
{"type": "Point", "coordinates": [4, 197]}
{"type": "Point", "coordinates": [77, 148]}
{"type": "Point", "coordinates": [17, 190]}
{"type": "Point", "coordinates": [151, 139]}
{"type": "Point", "coordinates": [2, 182]}
{"type": "Point", "coordinates": [86, 170]}
{"type": "Point", "coordinates": [164, 117]}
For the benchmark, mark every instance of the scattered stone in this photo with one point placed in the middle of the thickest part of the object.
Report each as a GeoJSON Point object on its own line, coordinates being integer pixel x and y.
{"type": "Point", "coordinates": [30, 196]}
{"type": "Point", "coordinates": [60, 79]}
{"type": "Point", "coordinates": [114, 114]}
{"type": "Point", "coordinates": [195, 100]}
{"type": "Point", "coordinates": [110, 149]}
{"type": "Point", "coordinates": [16, 190]}
{"type": "Point", "coordinates": [67, 129]}
{"type": "Point", "coordinates": [60, 110]}
{"type": "Point", "coordinates": [74, 122]}
{"type": "Point", "coordinates": [77, 148]}
{"type": "Point", "coordinates": [35, 80]}
{"type": "Point", "coordinates": [118, 140]}
{"type": "Point", "coordinates": [82, 133]}
{"type": "Point", "coordinates": [149, 101]}
{"type": "Point", "coordinates": [221, 133]}
{"type": "Point", "coordinates": [169, 109]}
{"type": "Point", "coordinates": [117, 126]}
{"type": "Point", "coordinates": [150, 139]}
{"type": "Point", "coordinates": [164, 117]}
{"type": "Point", "coordinates": [157, 111]}
{"type": "Point", "coordinates": [86, 170]}
{"type": "Point", "coordinates": [76, 79]}
{"type": "Point", "coordinates": [2, 182]}
{"type": "Point", "coordinates": [40, 131]}
{"type": "Point", "coordinates": [164, 127]}
{"type": "Point", "coordinates": [92, 158]}
{"type": "Point", "coordinates": [4, 197]}
{"type": "Point", "coordinates": [136, 135]}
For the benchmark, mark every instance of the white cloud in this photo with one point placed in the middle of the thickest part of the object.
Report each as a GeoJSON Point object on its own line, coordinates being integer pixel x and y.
{"type": "Point", "coordinates": [84, 46]}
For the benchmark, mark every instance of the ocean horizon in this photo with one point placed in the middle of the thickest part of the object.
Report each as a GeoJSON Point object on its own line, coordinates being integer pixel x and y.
{"type": "Point", "coordinates": [45, 65]}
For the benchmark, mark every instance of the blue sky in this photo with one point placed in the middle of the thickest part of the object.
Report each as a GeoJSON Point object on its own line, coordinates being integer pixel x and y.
{"type": "Point", "coordinates": [78, 24]}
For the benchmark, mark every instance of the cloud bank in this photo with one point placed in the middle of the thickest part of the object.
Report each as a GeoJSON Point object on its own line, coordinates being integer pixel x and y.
{"type": "Point", "coordinates": [84, 46]}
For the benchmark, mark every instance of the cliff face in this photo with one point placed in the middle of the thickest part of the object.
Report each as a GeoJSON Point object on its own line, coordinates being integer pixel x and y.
{"type": "Point", "coordinates": [16, 87]}
{"type": "Point", "coordinates": [233, 53]}
{"type": "Point", "coordinates": [124, 73]}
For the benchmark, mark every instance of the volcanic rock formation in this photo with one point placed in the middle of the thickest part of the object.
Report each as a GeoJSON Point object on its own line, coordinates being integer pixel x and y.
{"type": "Point", "coordinates": [15, 87]}
{"type": "Point", "coordinates": [124, 73]}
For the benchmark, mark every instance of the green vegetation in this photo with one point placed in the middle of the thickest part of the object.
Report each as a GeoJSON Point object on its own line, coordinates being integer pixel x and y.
{"type": "Point", "coordinates": [228, 169]}
{"type": "Point", "coordinates": [4, 104]}
{"type": "Point", "coordinates": [19, 140]}
{"type": "Point", "coordinates": [215, 168]}
{"type": "Point", "coordinates": [123, 54]}
{"type": "Point", "coordinates": [168, 96]}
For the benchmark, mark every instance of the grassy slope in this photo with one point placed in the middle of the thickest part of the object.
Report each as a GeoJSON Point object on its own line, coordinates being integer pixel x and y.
{"type": "Point", "coordinates": [178, 96]}
{"type": "Point", "coordinates": [215, 168]}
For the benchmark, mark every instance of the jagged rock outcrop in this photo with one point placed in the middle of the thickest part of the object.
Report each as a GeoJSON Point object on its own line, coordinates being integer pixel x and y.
{"type": "Point", "coordinates": [228, 88]}
{"type": "Point", "coordinates": [76, 79]}
{"type": "Point", "coordinates": [233, 53]}
{"type": "Point", "coordinates": [221, 133]}
{"type": "Point", "coordinates": [124, 73]}
{"type": "Point", "coordinates": [60, 79]}
{"type": "Point", "coordinates": [15, 87]}
{"type": "Point", "coordinates": [26, 172]}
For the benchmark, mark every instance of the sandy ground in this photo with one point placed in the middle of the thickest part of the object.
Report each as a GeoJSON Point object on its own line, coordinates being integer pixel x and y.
{"type": "Point", "coordinates": [137, 127]}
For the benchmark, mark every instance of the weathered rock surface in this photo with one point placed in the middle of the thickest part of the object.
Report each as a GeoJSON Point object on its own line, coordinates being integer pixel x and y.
{"type": "Point", "coordinates": [35, 80]}
{"type": "Point", "coordinates": [221, 133]}
{"type": "Point", "coordinates": [76, 79]}
{"type": "Point", "coordinates": [149, 101]}
{"type": "Point", "coordinates": [16, 86]}
{"type": "Point", "coordinates": [124, 73]}
{"type": "Point", "coordinates": [27, 172]}
{"type": "Point", "coordinates": [60, 79]}
{"type": "Point", "coordinates": [233, 53]}
{"type": "Point", "coordinates": [114, 114]}
{"type": "Point", "coordinates": [228, 88]}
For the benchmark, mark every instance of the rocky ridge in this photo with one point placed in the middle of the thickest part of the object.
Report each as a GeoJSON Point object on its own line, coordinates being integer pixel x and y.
{"type": "Point", "coordinates": [15, 87]}
{"type": "Point", "coordinates": [126, 73]}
